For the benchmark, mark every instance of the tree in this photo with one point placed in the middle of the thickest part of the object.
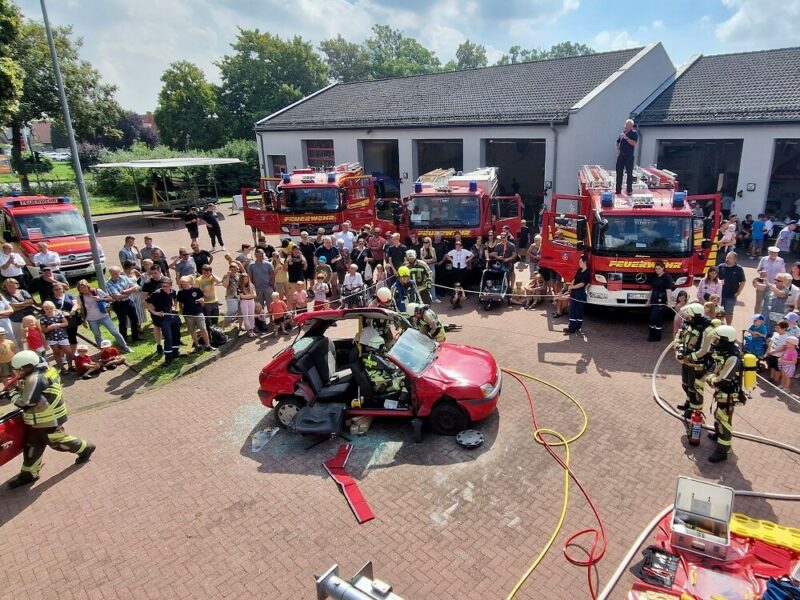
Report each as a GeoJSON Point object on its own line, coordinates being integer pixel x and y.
{"type": "Point", "coordinates": [562, 50]}
{"type": "Point", "coordinates": [567, 49]}
{"type": "Point", "coordinates": [186, 114]}
{"type": "Point", "coordinates": [11, 74]}
{"type": "Point", "coordinates": [468, 56]}
{"type": "Point", "coordinates": [132, 129]}
{"type": "Point", "coordinates": [92, 105]}
{"type": "Point", "coordinates": [391, 54]}
{"type": "Point", "coordinates": [346, 61]}
{"type": "Point", "coordinates": [264, 74]}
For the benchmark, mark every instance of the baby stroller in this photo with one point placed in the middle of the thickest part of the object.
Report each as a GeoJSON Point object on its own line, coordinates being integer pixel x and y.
{"type": "Point", "coordinates": [494, 285]}
{"type": "Point", "coordinates": [354, 297]}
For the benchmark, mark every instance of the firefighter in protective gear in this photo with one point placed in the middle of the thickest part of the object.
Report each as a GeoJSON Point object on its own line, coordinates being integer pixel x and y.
{"type": "Point", "coordinates": [426, 321]}
{"type": "Point", "coordinates": [692, 346]}
{"type": "Point", "coordinates": [421, 274]}
{"type": "Point", "coordinates": [383, 299]}
{"type": "Point", "coordinates": [387, 379]}
{"type": "Point", "coordinates": [404, 289]}
{"type": "Point", "coordinates": [44, 415]}
{"type": "Point", "coordinates": [726, 379]}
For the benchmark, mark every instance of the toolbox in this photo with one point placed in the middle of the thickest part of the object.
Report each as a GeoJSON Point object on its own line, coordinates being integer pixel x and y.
{"type": "Point", "coordinates": [701, 518]}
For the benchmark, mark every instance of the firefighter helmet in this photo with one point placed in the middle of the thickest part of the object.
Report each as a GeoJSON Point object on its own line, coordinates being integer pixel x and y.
{"type": "Point", "coordinates": [726, 333]}
{"type": "Point", "coordinates": [694, 309]}
{"type": "Point", "coordinates": [26, 358]}
{"type": "Point", "coordinates": [370, 337]}
{"type": "Point", "coordinates": [419, 310]}
{"type": "Point", "coordinates": [403, 272]}
{"type": "Point", "coordinates": [384, 295]}
{"type": "Point", "coordinates": [411, 254]}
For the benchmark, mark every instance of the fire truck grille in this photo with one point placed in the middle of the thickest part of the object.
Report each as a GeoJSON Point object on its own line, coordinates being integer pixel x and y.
{"type": "Point", "coordinates": [76, 259]}
{"type": "Point", "coordinates": [629, 280]}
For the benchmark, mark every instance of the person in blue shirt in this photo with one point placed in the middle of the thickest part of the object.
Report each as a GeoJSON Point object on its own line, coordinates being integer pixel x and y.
{"type": "Point", "coordinates": [757, 242]}
{"type": "Point", "coordinates": [755, 339]}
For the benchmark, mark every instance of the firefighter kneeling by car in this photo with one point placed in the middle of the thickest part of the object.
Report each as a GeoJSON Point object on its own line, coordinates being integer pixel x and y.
{"type": "Point", "coordinates": [426, 321]}
{"type": "Point", "coordinates": [387, 379]}
{"type": "Point", "coordinates": [692, 346]}
{"type": "Point", "coordinates": [44, 415]}
{"type": "Point", "coordinates": [726, 379]}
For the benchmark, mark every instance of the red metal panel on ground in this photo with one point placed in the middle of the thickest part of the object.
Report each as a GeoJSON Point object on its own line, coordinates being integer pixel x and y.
{"type": "Point", "coordinates": [356, 500]}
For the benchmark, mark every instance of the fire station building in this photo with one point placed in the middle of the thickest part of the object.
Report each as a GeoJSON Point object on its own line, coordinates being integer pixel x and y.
{"type": "Point", "coordinates": [720, 122]}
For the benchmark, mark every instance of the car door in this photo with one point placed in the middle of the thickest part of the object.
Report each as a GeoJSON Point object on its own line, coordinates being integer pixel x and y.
{"type": "Point", "coordinates": [564, 234]}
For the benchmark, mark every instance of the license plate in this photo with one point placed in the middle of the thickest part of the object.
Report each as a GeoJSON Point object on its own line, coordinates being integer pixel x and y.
{"type": "Point", "coordinates": [638, 295]}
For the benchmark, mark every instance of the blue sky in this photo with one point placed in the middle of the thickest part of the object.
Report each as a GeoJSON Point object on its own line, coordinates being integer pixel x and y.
{"type": "Point", "coordinates": [131, 42]}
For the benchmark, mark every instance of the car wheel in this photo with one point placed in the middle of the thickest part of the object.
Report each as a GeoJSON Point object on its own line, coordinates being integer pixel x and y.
{"type": "Point", "coordinates": [286, 410]}
{"type": "Point", "coordinates": [448, 418]}
{"type": "Point", "coordinates": [487, 305]}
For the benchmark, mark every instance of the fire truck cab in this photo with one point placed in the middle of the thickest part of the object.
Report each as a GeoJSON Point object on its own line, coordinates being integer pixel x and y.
{"type": "Point", "coordinates": [449, 202]}
{"type": "Point", "coordinates": [307, 199]}
{"type": "Point", "coordinates": [623, 236]}
{"type": "Point", "coordinates": [28, 220]}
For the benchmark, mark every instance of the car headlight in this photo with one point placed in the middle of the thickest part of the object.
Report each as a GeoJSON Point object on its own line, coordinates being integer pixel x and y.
{"type": "Point", "coordinates": [487, 389]}
{"type": "Point", "coordinates": [601, 278]}
{"type": "Point", "coordinates": [680, 281]}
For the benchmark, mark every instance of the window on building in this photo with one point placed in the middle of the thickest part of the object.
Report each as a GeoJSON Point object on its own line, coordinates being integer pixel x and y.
{"type": "Point", "coordinates": [702, 166]}
{"type": "Point", "coordinates": [439, 154]}
{"type": "Point", "coordinates": [319, 153]}
{"type": "Point", "coordinates": [276, 163]}
{"type": "Point", "coordinates": [783, 197]}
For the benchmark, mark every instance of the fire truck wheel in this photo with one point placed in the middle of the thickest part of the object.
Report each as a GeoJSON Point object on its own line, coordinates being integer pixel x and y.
{"type": "Point", "coordinates": [286, 410]}
{"type": "Point", "coordinates": [448, 418]}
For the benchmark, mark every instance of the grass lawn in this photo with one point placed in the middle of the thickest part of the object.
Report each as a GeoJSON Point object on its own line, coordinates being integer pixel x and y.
{"type": "Point", "coordinates": [104, 205]}
{"type": "Point", "coordinates": [62, 171]}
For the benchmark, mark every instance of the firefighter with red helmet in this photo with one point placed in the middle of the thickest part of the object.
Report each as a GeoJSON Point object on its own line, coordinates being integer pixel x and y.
{"type": "Point", "coordinates": [725, 378]}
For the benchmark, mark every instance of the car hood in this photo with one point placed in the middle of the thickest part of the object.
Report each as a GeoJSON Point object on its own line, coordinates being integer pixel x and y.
{"type": "Point", "coordinates": [71, 244]}
{"type": "Point", "coordinates": [462, 366]}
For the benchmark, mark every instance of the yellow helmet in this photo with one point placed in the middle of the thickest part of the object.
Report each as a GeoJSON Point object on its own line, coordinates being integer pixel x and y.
{"type": "Point", "coordinates": [403, 272]}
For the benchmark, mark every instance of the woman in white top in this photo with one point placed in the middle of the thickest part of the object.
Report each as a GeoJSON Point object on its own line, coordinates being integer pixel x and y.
{"type": "Point", "coordinates": [461, 260]}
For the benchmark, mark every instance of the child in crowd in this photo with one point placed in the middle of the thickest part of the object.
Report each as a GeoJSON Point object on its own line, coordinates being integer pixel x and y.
{"type": "Point", "coordinates": [300, 298]}
{"type": "Point", "coordinates": [775, 349]}
{"type": "Point", "coordinates": [87, 368]}
{"type": "Point", "coordinates": [793, 329]}
{"type": "Point", "coordinates": [518, 294]}
{"type": "Point", "coordinates": [719, 312]}
{"type": "Point", "coordinates": [536, 290]}
{"type": "Point", "coordinates": [378, 277]}
{"type": "Point", "coordinates": [7, 351]}
{"type": "Point", "coordinates": [681, 300]}
{"type": "Point", "coordinates": [321, 290]}
{"type": "Point", "coordinates": [788, 361]}
{"type": "Point", "coordinates": [324, 269]}
{"type": "Point", "coordinates": [278, 312]}
{"type": "Point", "coordinates": [458, 297]}
{"type": "Point", "coordinates": [54, 326]}
{"type": "Point", "coordinates": [110, 358]}
{"type": "Point", "coordinates": [755, 339]}
{"type": "Point", "coordinates": [33, 336]}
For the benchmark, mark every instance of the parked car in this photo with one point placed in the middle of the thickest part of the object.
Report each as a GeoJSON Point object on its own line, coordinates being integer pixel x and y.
{"type": "Point", "coordinates": [450, 385]}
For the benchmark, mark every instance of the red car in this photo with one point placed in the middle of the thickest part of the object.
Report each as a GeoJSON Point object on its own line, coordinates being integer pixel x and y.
{"type": "Point", "coordinates": [12, 431]}
{"type": "Point", "coordinates": [449, 385]}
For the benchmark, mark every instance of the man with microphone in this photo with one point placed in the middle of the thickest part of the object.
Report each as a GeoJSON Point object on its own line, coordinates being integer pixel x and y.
{"type": "Point", "coordinates": [626, 142]}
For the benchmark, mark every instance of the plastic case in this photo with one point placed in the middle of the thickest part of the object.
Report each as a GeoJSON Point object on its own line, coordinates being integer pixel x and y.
{"type": "Point", "coordinates": [701, 518]}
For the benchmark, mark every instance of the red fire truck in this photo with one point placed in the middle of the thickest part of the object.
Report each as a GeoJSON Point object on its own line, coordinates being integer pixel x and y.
{"type": "Point", "coordinates": [624, 235]}
{"type": "Point", "coordinates": [450, 202]}
{"type": "Point", "coordinates": [307, 199]}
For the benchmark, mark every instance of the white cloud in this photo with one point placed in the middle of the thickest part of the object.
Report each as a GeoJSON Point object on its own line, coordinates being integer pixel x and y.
{"type": "Point", "coordinates": [614, 40]}
{"type": "Point", "coordinates": [758, 24]}
{"type": "Point", "coordinates": [657, 24]}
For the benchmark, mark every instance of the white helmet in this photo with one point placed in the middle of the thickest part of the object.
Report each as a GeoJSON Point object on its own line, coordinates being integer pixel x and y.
{"type": "Point", "coordinates": [726, 332]}
{"type": "Point", "coordinates": [411, 308]}
{"type": "Point", "coordinates": [411, 254]}
{"type": "Point", "coordinates": [26, 358]}
{"type": "Point", "coordinates": [384, 294]}
{"type": "Point", "coordinates": [370, 337]}
{"type": "Point", "coordinates": [695, 309]}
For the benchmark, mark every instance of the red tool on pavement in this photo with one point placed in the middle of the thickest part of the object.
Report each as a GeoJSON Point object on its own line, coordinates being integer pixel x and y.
{"type": "Point", "coordinates": [356, 500]}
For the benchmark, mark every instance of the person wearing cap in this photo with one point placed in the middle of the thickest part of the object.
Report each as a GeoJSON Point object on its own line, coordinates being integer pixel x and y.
{"type": "Point", "coordinates": [86, 367]}
{"type": "Point", "coordinates": [7, 351]}
{"type": "Point", "coordinates": [778, 298]}
{"type": "Point", "coordinates": [43, 283]}
{"type": "Point", "coordinates": [784, 239]}
{"type": "Point", "coordinates": [44, 414]}
{"type": "Point", "coordinates": [110, 358]}
{"type": "Point", "coordinates": [772, 264]}
{"type": "Point", "coordinates": [755, 338]}
{"type": "Point", "coordinates": [209, 215]}
{"type": "Point", "coordinates": [162, 306]}
{"type": "Point", "coordinates": [421, 275]}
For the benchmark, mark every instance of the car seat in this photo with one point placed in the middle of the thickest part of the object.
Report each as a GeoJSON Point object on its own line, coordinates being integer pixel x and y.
{"type": "Point", "coordinates": [367, 391]}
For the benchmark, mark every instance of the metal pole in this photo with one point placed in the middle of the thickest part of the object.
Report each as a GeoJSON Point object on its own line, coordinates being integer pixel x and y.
{"type": "Point", "coordinates": [76, 164]}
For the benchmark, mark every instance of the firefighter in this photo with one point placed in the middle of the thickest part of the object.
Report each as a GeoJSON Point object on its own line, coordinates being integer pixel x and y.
{"type": "Point", "coordinates": [421, 274]}
{"type": "Point", "coordinates": [387, 379]}
{"type": "Point", "coordinates": [44, 415]}
{"type": "Point", "coordinates": [726, 379]}
{"type": "Point", "coordinates": [693, 344]}
{"type": "Point", "coordinates": [426, 321]}
{"type": "Point", "coordinates": [383, 299]}
{"type": "Point", "coordinates": [404, 290]}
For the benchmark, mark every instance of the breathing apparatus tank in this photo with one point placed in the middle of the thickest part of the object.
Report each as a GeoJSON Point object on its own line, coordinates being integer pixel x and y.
{"type": "Point", "coordinates": [749, 368]}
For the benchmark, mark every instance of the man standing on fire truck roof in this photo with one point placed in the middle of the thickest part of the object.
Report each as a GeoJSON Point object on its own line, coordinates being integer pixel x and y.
{"type": "Point", "coordinates": [626, 142]}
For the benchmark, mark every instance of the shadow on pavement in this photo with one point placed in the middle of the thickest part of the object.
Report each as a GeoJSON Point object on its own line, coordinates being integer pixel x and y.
{"type": "Point", "coordinates": [387, 443]}
{"type": "Point", "coordinates": [15, 502]}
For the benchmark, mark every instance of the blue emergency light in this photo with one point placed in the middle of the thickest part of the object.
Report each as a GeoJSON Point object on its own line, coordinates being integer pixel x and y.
{"type": "Point", "coordinates": [286, 178]}
{"type": "Point", "coordinates": [473, 186]}
{"type": "Point", "coordinates": [15, 193]}
{"type": "Point", "coordinates": [678, 199]}
{"type": "Point", "coordinates": [607, 200]}
{"type": "Point", "coordinates": [331, 177]}
{"type": "Point", "coordinates": [417, 187]}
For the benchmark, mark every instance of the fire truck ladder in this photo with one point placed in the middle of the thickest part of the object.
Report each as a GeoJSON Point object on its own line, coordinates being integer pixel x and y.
{"type": "Point", "coordinates": [437, 178]}
{"type": "Point", "coordinates": [351, 168]}
{"type": "Point", "coordinates": [595, 177]}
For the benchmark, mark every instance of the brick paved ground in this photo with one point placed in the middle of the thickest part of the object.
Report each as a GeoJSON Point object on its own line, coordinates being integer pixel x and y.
{"type": "Point", "coordinates": [175, 504]}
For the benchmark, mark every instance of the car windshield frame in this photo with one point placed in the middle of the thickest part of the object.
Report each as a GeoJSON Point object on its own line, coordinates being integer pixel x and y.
{"type": "Point", "coordinates": [422, 204]}
{"type": "Point", "coordinates": [414, 351]}
{"type": "Point", "coordinates": [47, 225]}
{"type": "Point", "coordinates": [329, 200]}
{"type": "Point", "coordinates": [637, 240]}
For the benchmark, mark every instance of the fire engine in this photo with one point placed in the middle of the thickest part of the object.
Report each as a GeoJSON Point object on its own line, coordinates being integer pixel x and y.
{"type": "Point", "coordinates": [623, 235]}
{"type": "Point", "coordinates": [449, 202]}
{"type": "Point", "coordinates": [307, 199]}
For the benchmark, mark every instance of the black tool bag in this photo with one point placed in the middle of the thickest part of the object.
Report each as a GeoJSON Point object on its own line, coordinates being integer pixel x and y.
{"type": "Point", "coordinates": [217, 336]}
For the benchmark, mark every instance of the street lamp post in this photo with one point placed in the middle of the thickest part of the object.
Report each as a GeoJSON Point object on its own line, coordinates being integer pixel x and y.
{"type": "Point", "coordinates": [76, 163]}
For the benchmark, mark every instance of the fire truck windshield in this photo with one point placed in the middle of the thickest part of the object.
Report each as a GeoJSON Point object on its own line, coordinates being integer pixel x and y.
{"type": "Point", "coordinates": [310, 200]}
{"type": "Point", "coordinates": [50, 225]}
{"type": "Point", "coordinates": [444, 211]}
{"type": "Point", "coordinates": [650, 235]}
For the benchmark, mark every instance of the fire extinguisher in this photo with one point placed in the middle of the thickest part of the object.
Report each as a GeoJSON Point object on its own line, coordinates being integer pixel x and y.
{"type": "Point", "coordinates": [696, 427]}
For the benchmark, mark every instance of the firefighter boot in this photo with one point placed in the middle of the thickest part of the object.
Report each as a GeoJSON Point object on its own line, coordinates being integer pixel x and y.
{"type": "Point", "coordinates": [21, 479]}
{"type": "Point", "coordinates": [720, 453]}
{"type": "Point", "coordinates": [684, 406]}
{"type": "Point", "coordinates": [86, 454]}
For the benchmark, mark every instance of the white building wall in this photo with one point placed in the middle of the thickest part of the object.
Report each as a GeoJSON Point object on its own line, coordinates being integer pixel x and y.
{"type": "Point", "coordinates": [598, 119]}
{"type": "Point", "coordinates": [757, 152]}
